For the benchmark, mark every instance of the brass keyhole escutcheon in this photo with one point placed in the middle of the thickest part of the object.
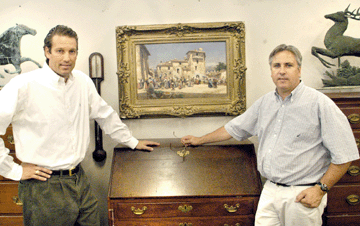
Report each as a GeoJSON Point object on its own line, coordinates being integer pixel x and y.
{"type": "Point", "coordinates": [10, 139]}
{"type": "Point", "coordinates": [353, 199]}
{"type": "Point", "coordinates": [185, 224]}
{"type": "Point", "coordinates": [185, 208]}
{"type": "Point", "coordinates": [17, 201]}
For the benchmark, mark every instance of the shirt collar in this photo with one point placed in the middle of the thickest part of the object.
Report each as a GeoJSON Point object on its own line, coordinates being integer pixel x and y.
{"type": "Point", "coordinates": [296, 92]}
{"type": "Point", "coordinates": [53, 77]}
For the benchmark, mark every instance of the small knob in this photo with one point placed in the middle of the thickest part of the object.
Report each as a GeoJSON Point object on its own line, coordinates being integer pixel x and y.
{"type": "Point", "coordinates": [354, 118]}
{"type": "Point", "coordinates": [353, 199]}
{"type": "Point", "coordinates": [353, 171]}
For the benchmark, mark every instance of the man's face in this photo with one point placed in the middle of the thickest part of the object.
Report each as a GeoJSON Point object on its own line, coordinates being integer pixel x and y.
{"type": "Point", "coordinates": [285, 72]}
{"type": "Point", "coordinates": [62, 56]}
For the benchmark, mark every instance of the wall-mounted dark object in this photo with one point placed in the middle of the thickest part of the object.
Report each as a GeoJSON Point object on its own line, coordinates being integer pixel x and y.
{"type": "Point", "coordinates": [96, 68]}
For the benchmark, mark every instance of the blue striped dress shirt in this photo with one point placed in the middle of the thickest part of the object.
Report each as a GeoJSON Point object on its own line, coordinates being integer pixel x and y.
{"type": "Point", "coordinates": [298, 137]}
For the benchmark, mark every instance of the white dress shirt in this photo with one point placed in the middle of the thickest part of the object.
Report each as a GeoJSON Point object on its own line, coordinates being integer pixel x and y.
{"type": "Point", "coordinates": [51, 120]}
{"type": "Point", "coordinates": [298, 136]}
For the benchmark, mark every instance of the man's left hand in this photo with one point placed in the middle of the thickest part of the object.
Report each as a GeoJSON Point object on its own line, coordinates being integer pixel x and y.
{"type": "Point", "coordinates": [311, 197]}
{"type": "Point", "coordinates": [146, 145]}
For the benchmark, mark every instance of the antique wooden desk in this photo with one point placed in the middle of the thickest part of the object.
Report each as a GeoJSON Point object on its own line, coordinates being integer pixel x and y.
{"type": "Point", "coordinates": [211, 185]}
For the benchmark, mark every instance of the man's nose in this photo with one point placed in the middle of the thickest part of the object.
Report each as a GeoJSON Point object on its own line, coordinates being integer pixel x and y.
{"type": "Point", "coordinates": [282, 70]}
{"type": "Point", "coordinates": [66, 56]}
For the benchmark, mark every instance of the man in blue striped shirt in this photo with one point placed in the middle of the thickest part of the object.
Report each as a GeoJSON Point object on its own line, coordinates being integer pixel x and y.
{"type": "Point", "coordinates": [305, 144]}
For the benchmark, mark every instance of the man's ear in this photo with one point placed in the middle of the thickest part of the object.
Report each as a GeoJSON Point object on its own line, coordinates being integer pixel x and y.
{"type": "Point", "coordinates": [47, 51]}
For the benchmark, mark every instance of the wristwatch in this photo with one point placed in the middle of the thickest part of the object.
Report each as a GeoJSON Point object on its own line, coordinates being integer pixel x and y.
{"type": "Point", "coordinates": [323, 187]}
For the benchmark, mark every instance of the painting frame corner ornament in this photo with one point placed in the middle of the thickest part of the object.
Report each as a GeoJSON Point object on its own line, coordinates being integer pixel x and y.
{"type": "Point", "coordinates": [181, 70]}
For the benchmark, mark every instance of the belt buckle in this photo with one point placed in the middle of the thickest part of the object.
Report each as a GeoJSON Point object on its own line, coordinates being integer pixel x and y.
{"type": "Point", "coordinates": [70, 171]}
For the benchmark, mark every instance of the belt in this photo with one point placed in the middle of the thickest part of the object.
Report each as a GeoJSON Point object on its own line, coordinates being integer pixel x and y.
{"type": "Point", "coordinates": [286, 185]}
{"type": "Point", "coordinates": [69, 172]}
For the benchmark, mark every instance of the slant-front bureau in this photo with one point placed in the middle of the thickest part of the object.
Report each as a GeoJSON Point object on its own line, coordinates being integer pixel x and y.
{"type": "Point", "coordinates": [344, 198]}
{"type": "Point", "coordinates": [10, 205]}
{"type": "Point", "coordinates": [206, 185]}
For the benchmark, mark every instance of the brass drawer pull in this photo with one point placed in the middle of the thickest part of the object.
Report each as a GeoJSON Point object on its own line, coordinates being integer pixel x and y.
{"type": "Point", "coordinates": [185, 208]}
{"type": "Point", "coordinates": [231, 209]}
{"type": "Point", "coordinates": [354, 171]}
{"type": "Point", "coordinates": [353, 199]}
{"type": "Point", "coordinates": [357, 142]}
{"type": "Point", "coordinates": [138, 211]}
{"type": "Point", "coordinates": [185, 224]}
{"type": "Point", "coordinates": [354, 118]}
{"type": "Point", "coordinates": [10, 139]}
{"type": "Point", "coordinates": [17, 201]}
{"type": "Point", "coordinates": [237, 224]}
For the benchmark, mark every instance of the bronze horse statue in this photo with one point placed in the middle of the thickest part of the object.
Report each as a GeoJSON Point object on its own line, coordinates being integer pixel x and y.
{"type": "Point", "coordinates": [336, 43]}
{"type": "Point", "coordinates": [10, 47]}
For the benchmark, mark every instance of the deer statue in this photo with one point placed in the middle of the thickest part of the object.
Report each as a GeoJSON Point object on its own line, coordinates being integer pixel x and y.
{"type": "Point", "coordinates": [336, 43]}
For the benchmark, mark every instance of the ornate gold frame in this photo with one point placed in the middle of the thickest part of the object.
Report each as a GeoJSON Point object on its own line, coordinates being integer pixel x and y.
{"type": "Point", "coordinates": [232, 33]}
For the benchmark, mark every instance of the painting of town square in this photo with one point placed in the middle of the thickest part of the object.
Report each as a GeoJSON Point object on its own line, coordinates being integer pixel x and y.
{"type": "Point", "coordinates": [181, 70]}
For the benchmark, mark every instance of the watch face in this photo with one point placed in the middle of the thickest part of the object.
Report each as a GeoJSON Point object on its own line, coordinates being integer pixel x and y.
{"type": "Point", "coordinates": [324, 187]}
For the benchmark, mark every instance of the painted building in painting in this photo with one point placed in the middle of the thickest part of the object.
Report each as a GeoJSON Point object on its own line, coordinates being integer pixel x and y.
{"type": "Point", "coordinates": [142, 62]}
{"type": "Point", "coordinates": [192, 66]}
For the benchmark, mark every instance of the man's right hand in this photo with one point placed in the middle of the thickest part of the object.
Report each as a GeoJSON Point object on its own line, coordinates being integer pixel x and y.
{"type": "Point", "coordinates": [31, 171]}
{"type": "Point", "coordinates": [218, 135]}
{"type": "Point", "coordinates": [190, 140]}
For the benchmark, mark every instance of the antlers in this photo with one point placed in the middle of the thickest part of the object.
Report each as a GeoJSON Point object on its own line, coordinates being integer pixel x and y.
{"type": "Point", "coordinates": [352, 14]}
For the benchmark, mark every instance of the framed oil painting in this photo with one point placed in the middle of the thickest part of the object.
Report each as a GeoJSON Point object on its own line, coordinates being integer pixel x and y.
{"type": "Point", "coordinates": [181, 69]}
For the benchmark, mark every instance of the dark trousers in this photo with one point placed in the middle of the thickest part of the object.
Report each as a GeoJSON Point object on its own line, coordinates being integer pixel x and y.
{"type": "Point", "coordinates": [60, 201]}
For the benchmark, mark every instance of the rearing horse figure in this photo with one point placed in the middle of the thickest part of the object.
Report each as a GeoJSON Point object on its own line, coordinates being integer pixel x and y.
{"type": "Point", "coordinates": [336, 43]}
{"type": "Point", "coordinates": [10, 47]}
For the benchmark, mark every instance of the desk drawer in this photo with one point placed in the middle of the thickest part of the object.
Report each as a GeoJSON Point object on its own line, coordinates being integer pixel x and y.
{"type": "Point", "coordinates": [193, 208]}
{"type": "Point", "coordinates": [344, 198]}
{"type": "Point", "coordinates": [206, 221]}
{"type": "Point", "coordinates": [11, 220]}
{"type": "Point", "coordinates": [346, 220]}
{"type": "Point", "coordinates": [8, 197]}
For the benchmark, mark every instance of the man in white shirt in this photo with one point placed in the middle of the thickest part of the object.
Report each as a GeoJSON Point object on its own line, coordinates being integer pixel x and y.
{"type": "Point", "coordinates": [49, 110]}
{"type": "Point", "coordinates": [305, 144]}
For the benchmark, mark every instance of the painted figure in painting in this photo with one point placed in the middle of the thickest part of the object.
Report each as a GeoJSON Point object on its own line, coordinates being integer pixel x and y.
{"type": "Point", "coordinates": [10, 47]}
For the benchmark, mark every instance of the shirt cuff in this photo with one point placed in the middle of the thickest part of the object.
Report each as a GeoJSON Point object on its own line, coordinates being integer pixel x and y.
{"type": "Point", "coordinates": [15, 173]}
{"type": "Point", "coordinates": [132, 143]}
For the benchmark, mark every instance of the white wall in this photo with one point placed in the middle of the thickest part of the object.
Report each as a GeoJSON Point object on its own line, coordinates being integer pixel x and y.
{"type": "Point", "coordinates": [268, 23]}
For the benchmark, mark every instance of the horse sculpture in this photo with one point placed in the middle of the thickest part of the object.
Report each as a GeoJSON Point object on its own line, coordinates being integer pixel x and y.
{"type": "Point", "coordinates": [336, 43]}
{"type": "Point", "coordinates": [10, 48]}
